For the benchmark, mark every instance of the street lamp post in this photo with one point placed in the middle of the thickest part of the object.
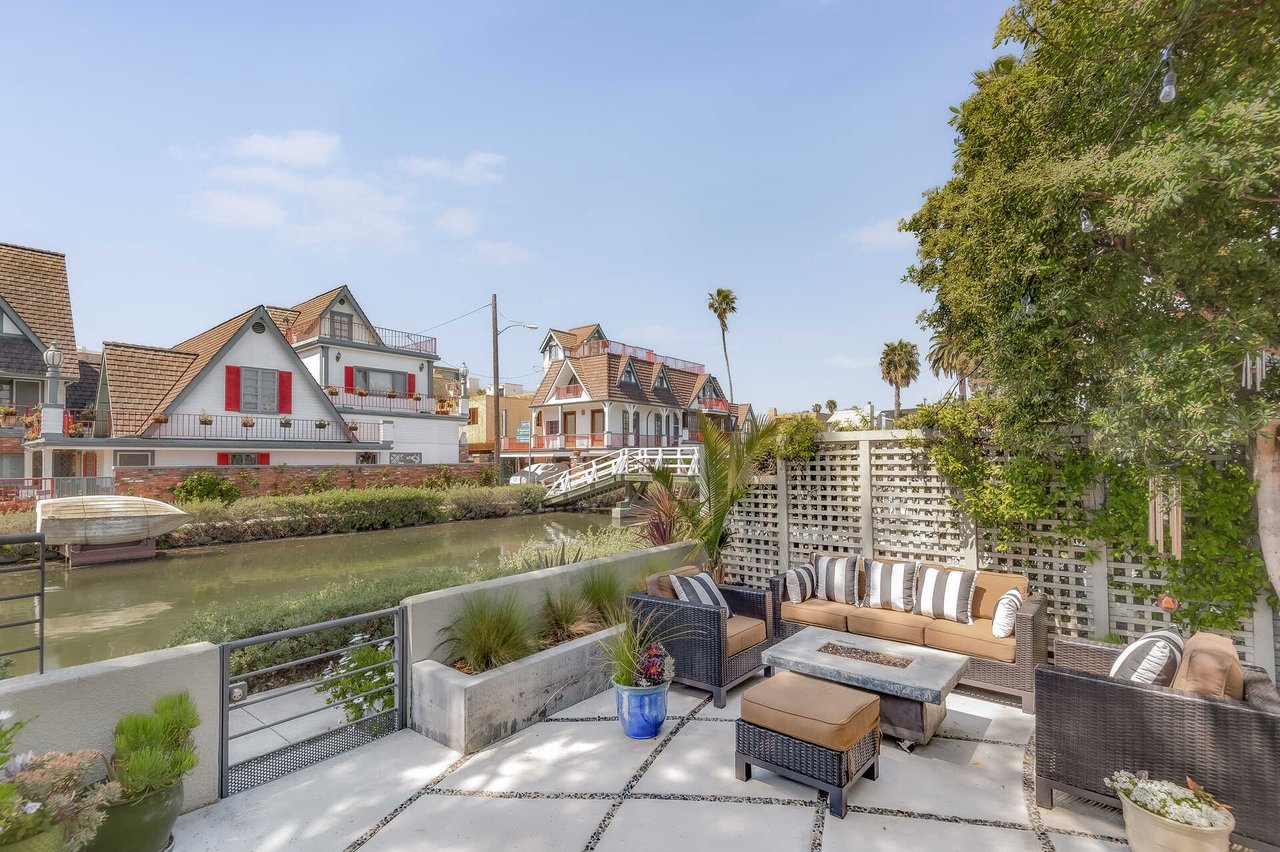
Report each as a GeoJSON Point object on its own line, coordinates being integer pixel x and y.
{"type": "Point", "coordinates": [496, 405]}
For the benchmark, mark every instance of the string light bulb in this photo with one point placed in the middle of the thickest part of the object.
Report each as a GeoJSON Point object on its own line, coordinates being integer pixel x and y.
{"type": "Point", "coordinates": [1169, 89]}
{"type": "Point", "coordinates": [1086, 221]}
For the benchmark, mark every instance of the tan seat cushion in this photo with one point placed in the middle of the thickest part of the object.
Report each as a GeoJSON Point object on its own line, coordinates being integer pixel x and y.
{"type": "Point", "coordinates": [659, 585]}
{"type": "Point", "coordinates": [741, 632]}
{"type": "Point", "coordinates": [1210, 666]}
{"type": "Point", "coordinates": [990, 585]}
{"type": "Point", "coordinates": [888, 624]}
{"type": "Point", "coordinates": [818, 612]}
{"type": "Point", "coordinates": [973, 640]}
{"type": "Point", "coordinates": [817, 711]}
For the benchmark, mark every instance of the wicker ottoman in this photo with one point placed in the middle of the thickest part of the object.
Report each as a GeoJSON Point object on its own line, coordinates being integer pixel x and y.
{"type": "Point", "coordinates": [820, 733]}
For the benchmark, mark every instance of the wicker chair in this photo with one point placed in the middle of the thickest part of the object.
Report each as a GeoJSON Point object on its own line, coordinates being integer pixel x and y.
{"type": "Point", "coordinates": [700, 643]}
{"type": "Point", "coordinates": [1089, 725]}
{"type": "Point", "coordinates": [1017, 678]}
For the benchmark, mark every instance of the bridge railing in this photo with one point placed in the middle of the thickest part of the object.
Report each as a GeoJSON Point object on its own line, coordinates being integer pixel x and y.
{"type": "Point", "coordinates": [683, 461]}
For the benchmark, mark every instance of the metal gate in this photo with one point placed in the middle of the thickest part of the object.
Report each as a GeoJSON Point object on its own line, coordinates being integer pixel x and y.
{"type": "Point", "coordinates": [36, 596]}
{"type": "Point", "coordinates": [296, 697]}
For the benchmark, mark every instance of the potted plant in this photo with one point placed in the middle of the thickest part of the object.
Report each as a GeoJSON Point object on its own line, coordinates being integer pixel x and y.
{"type": "Point", "coordinates": [47, 803]}
{"type": "Point", "coordinates": [352, 427]}
{"type": "Point", "coordinates": [331, 390]}
{"type": "Point", "coordinates": [206, 419]}
{"type": "Point", "coordinates": [159, 418]}
{"type": "Point", "coordinates": [8, 416]}
{"type": "Point", "coordinates": [247, 422]}
{"type": "Point", "coordinates": [362, 392]}
{"type": "Point", "coordinates": [391, 394]}
{"type": "Point", "coordinates": [322, 424]}
{"type": "Point", "coordinates": [75, 430]}
{"type": "Point", "coordinates": [1160, 816]}
{"type": "Point", "coordinates": [416, 397]}
{"type": "Point", "coordinates": [286, 423]}
{"type": "Point", "coordinates": [153, 752]}
{"type": "Point", "coordinates": [642, 671]}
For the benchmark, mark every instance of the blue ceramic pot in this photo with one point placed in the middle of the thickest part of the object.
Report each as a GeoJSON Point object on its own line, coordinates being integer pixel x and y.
{"type": "Point", "coordinates": [641, 709]}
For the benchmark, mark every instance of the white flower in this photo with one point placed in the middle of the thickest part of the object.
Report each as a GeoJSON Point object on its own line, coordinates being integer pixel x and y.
{"type": "Point", "coordinates": [30, 808]}
{"type": "Point", "coordinates": [19, 762]}
{"type": "Point", "coordinates": [5, 715]}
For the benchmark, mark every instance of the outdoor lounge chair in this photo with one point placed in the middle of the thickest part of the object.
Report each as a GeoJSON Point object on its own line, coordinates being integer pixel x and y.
{"type": "Point", "coordinates": [1090, 725]}
{"type": "Point", "coordinates": [712, 651]}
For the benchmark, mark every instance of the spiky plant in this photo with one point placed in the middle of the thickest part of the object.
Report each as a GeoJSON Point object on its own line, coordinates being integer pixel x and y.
{"type": "Point", "coordinates": [490, 631]}
{"type": "Point", "coordinates": [153, 751]}
{"type": "Point", "coordinates": [568, 615]}
{"type": "Point", "coordinates": [605, 592]}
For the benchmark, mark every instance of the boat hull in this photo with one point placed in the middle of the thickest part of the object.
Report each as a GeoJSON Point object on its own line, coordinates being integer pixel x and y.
{"type": "Point", "coordinates": [105, 519]}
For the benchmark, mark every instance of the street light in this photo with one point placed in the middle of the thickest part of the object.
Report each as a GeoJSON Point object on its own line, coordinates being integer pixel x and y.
{"type": "Point", "coordinates": [495, 410]}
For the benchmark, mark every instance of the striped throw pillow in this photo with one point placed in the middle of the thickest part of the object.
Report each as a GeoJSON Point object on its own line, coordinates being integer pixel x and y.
{"type": "Point", "coordinates": [946, 593]}
{"type": "Point", "coordinates": [891, 585]}
{"type": "Point", "coordinates": [1006, 614]}
{"type": "Point", "coordinates": [837, 578]}
{"type": "Point", "coordinates": [700, 589]}
{"type": "Point", "coordinates": [1152, 659]}
{"type": "Point", "coordinates": [801, 583]}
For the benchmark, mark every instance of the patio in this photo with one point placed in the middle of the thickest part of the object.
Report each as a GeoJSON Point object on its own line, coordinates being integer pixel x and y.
{"type": "Point", "coordinates": [575, 782]}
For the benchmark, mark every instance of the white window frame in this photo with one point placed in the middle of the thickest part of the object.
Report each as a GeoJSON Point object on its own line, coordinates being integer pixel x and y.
{"type": "Point", "coordinates": [232, 459]}
{"type": "Point", "coordinates": [260, 378]}
{"type": "Point", "coordinates": [149, 455]}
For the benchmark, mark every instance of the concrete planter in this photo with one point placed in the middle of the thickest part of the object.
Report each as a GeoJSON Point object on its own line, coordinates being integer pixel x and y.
{"type": "Point", "coordinates": [468, 712]}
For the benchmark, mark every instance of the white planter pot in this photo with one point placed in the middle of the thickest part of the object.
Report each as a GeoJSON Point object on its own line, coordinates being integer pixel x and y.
{"type": "Point", "coordinates": [1148, 832]}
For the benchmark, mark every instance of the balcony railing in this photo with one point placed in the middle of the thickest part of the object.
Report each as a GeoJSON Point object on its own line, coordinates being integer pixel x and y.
{"type": "Point", "coordinates": [44, 487]}
{"type": "Point", "coordinates": [612, 347]}
{"type": "Point", "coordinates": [587, 441]}
{"type": "Point", "coordinates": [374, 401]}
{"type": "Point", "coordinates": [370, 335]}
{"type": "Point", "coordinates": [712, 404]}
{"type": "Point", "coordinates": [255, 427]}
{"type": "Point", "coordinates": [567, 392]}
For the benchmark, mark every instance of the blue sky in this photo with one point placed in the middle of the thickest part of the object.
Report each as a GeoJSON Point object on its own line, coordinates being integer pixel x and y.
{"type": "Point", "coordinates": [585, 161]}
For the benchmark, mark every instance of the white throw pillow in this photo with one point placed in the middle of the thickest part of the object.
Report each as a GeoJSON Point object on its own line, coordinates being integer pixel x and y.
{"type": "Point", "coordinates": [1006, 614]}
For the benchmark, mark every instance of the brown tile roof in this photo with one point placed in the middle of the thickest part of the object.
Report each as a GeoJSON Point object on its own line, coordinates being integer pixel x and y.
{"type": "Point", "coordinates": [309, 312]}
{"type": "Point", "coordinates": [599, 375]}
{"type": "Point", "coordinates": [548, 379]}
{"type": "Point", "coordinates": [741, 411]}
{"type": "Point", "coordinates": [34, 283]}
{"type": "Point", "coordinates": [204, 346]}
{"type": "Point", "coordinates": [574, 336]}
{"type": "Point", "coordinates": [284, 318]}
{"type": "Point", "coordinates": [139, 377]}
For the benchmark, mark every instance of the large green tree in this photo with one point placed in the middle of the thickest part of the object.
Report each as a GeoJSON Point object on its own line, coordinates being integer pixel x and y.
{"type": "Point", "coordinates": [1111, 260]}
{"type": "Point", "coordinates": [899, 366]}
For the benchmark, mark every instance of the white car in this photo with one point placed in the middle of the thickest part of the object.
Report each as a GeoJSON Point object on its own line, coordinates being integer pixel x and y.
{"type": "Point", "coordinates": [536, 472]}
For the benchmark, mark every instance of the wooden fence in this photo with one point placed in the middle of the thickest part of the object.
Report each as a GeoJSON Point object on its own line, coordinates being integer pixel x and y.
{"type": "Point", "coordinates": [866, 492]}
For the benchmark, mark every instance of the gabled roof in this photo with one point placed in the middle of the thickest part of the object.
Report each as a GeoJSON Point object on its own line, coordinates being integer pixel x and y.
{"type": "Point", "coordinates": [138, 378]}
{"type": "Point", "coordinates": [572, 337]}
{"type": "Point", "coordinates": [741, 412]}
{"type": "Point", "coordinates": [204, 346]}
{"type": "Point", "coordinates": [311, 310]}
{"type": "Point", "coordinates": [284, 318]}
{"type": "Point", "coordinates": [34, 283]}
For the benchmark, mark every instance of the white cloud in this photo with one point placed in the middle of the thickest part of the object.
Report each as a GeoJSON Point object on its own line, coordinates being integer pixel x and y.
{"type": "Point", "coordinates": [479, 167]}
{"type": "Point", "coordinates": [501, 252]}
{"type": "Point", "coordinates": [237, 209]}
{"type": "Point", "coordinates": [300, 149]}
{"type": "Point", "coordinates": [458, 222]}
{"type": "Point", "coordinates": [882, 235]}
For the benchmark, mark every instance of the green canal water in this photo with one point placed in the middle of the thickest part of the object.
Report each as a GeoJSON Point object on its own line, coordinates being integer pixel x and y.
{"type": "Point", "coordinates": [109, 611]}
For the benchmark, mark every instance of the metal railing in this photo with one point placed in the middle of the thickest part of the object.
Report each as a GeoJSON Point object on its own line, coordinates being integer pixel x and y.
{"type": "Point", "coordinates": [370, 335]}
{"type": "Point", "coordinates": [37, 620]}
{"type": "Point", "coordinates": [567, 392]}
{"type": "Point", "coordinates": [296, 682]}
{"type": "Point", "coordinates": [379, 401]}
{"type": "Point", "coordinates": [613, 347]}
{"type": "Point", "coordinates": [592, 440]}
{"type": "Point", "coordinates": [682, 461]}
{"type": "Point", "coordinates": [262, 427]}
{"type": "Point", "coordinates": [44, 487]}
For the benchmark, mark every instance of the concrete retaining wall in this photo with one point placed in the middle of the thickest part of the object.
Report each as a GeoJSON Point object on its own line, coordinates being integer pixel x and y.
{"type": "Point", "coordinates": [427, 614]}
{"type": "Point", "coordinates": [468, 712]}
{"type": "Point", "coordinates": [78, 707]}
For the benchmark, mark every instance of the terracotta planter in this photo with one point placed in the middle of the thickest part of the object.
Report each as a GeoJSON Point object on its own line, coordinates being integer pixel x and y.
{"type": "Point", "coordinates": [140, 825]}
{"type": "Point", "coordinates": [8, 421]}
{"type": "Point", "coordinates": [1148, 832]}
{"type": "Point", "coordinates": [51, 841]}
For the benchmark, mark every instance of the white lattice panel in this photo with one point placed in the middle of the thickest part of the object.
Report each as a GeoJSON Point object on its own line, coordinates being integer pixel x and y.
{"type": "Point", "coordinates": [1061, 572]}
{"type": "Point", "coordinates": [825, 503]}
{"type": "Point", "coordinates": [911, 509]}
{"type": "Point", "coordinates": [752, 554]}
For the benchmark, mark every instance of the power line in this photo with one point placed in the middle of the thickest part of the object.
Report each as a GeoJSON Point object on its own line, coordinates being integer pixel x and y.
{"type": "Point", "coordinates": [455, 319]}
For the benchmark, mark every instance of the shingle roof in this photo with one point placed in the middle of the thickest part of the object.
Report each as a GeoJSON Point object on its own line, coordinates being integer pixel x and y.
{"type": "Point", "coordinates": [139, 377]}
{"type": "Point", "coordinates": [599, 375]}
{"type": "Point", "coordinates": [84, 391]}
{"type": "Point", "coordinates": [574, 336]}
{"type": "Point", "coordinates": [310, 310]}
{"type": "Point", "coordinates": [204, 346]}
{"type": "Point", "coordinates": [34, 283]}
{"type": "Point", "coordinates": [284, 318]}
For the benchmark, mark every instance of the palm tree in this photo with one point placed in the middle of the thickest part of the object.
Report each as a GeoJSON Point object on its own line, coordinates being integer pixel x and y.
{"type": "Point", "coordinates": [722, 303]}
{"type": "Point", "coordinates": [729, 463]}
{"type": "Point", "coordinates": [899, 366]}
{"type": "Point", "coordinates": [832, 406]}
{"type": "Point", "coordinates": [816, 408]}
{"type": "Point", "coordinates": [946, 358]}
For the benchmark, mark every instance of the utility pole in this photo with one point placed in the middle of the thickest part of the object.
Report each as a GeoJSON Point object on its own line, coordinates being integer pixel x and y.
{"type": "Point", "coordinates": [495, 406]}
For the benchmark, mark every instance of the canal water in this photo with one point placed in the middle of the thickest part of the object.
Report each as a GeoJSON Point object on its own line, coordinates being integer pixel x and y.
{"type": "Point", "coordinates": [109, 611]}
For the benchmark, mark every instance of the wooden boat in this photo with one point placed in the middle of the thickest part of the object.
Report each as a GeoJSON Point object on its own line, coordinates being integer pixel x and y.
{"type": "Point", "coordinates": [105, 519]}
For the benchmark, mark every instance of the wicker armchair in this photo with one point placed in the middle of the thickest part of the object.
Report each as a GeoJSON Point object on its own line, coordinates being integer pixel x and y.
{"type": "Point", "coordinates": [1018, 678]}
{"type": "Point", "coordinates": [1089, 725]}
{"type": "Point", "coordinates": [700, 643]}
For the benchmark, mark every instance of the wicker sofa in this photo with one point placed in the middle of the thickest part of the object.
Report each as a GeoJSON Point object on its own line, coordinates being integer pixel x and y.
{"type": "Point", "coordinates": [1000, 665]}
{"type": "Point", "coordinates": [712, 651]}
{"type": "Point", "coordinates": [1091, 724]}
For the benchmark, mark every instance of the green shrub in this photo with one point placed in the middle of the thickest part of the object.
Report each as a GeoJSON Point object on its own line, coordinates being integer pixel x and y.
{"type": "Point", "coordinates": [206, 485]}
{"type": "Point", "coordinates": [607, 595]}
{"type": "Point", "coordinates": [490, 631]}
{"type": "Point", "coordinates": [154, 750]}
{"type": "Point", "coordinates": [592, 544]}
{"type": "Point", "coordinates": [373, 690]}
{"type": "Point", "coordinates": [568, 615]}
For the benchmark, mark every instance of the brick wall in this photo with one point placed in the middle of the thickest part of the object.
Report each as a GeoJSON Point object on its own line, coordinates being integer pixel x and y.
{"type": "Point", "coordinates": [159, 482]}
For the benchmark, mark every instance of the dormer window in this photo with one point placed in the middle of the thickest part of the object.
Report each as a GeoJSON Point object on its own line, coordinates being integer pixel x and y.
{"type": "Point", "coordinates": [628, 376]}
{"type": "Point", "coordinates": [660, 381]}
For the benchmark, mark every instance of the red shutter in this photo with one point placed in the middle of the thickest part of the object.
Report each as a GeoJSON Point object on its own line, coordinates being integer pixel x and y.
{"type": "Point", "coordinates": [349, 380]}
{"type": "Point", "coordinates": [410, 384]}
{"type": "Point", "coordinates": [264, 458]}
{"type": "Point", "coordinates": [233, 389]}
{"type": "Point", "coordinates": [284, 400]}
{"type": "Point", "coordinates": [224, 459]}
